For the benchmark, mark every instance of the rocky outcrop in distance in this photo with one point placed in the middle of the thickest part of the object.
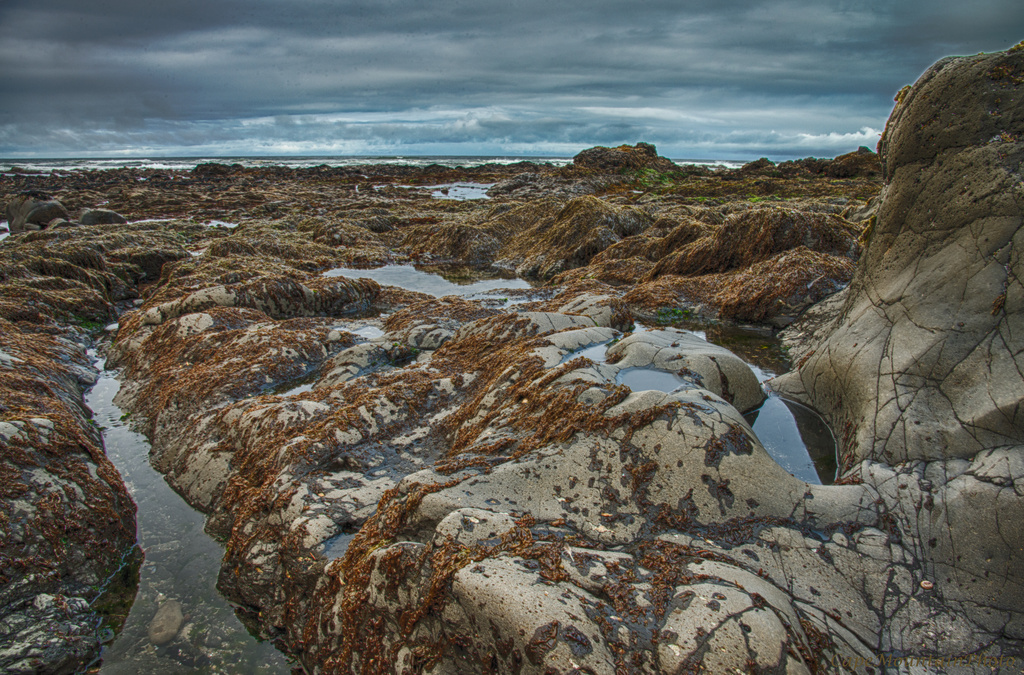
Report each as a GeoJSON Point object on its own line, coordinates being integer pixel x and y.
{"type": "Point", "coordinates": [624, 157]}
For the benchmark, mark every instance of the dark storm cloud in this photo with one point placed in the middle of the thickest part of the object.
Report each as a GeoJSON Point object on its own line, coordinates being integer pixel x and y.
{"type": "Point", "coordinates": [712, 79]}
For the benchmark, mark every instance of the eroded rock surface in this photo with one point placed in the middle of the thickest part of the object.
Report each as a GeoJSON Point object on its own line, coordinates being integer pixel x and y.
{"type": "Point", "coordinates": [920, 365]}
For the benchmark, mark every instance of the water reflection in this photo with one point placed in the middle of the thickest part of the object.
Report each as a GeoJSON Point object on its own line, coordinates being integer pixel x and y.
{"type": "Point", "coordinates": [336, 546]}
{"type": "Point", "coordinates": [797, 439]}
{"type": "Point", "coordinates": [461, 191]}
{"type": "Point", "coordinates": [413, 279]}
{"type": "Point", "coordinates": [596, 353]}
{"type": "Point", "coordinates": [179, 573]}
{"type": "Point", "coordinates": [643, 379]}
{"type": "Point", "coordinates": [795, 436]}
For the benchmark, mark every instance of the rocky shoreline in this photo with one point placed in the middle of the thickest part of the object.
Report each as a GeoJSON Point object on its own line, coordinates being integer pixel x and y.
{"type": "Point", "coordinates": [465, 491]}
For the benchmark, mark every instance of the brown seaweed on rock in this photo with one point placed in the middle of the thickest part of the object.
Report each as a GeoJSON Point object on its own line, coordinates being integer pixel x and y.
{"type": "Point", "coordinates": [66, 520]}
{"type": "Point", "coordinates": [584, 227]}
{"type": "Point", "coordinates": [754, 236]}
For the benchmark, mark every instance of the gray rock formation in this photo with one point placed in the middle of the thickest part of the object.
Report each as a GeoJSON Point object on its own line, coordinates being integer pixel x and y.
{"type": "Point", "coordinates": [921, 367]}
{"type": "Point", "coordinates": [101, 217]}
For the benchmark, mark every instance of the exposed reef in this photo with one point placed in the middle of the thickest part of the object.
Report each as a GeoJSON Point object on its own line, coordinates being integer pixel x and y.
{"type": "Point", "coordinates": [469, 487]}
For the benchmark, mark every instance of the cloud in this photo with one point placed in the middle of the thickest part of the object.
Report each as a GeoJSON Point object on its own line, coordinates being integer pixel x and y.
{"type": "Point", "coordinates": [187, 77]}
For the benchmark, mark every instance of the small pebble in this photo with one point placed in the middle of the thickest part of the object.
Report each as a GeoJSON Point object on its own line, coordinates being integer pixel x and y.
{"type": "Point", "coordinates": [927, 585]}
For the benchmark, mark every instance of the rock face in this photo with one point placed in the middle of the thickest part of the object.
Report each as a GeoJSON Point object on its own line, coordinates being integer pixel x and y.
{"type": "Point", "coordinates": [921, 367]}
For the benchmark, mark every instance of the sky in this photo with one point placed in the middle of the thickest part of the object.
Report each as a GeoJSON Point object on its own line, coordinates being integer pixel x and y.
{"type": "Point", "coordinates": [719, 79]}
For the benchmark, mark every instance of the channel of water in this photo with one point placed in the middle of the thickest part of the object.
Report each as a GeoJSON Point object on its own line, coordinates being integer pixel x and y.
{"type": "Point", "coordinates": [181, 566]}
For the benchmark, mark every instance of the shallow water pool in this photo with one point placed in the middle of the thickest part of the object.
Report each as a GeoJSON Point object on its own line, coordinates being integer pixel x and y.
{"type": "Point", "coordinates": [797, 438]}
{"type": "Point", "coordinates": [461, 191]}
{"type": "Point", "coordinates": [794, 435]}
{"type": "Point", "coordinates": [641, 379]}
{"type": "Point", "coordinates": [181, 564]}
{"type": "Point", "coordinates": [413, 279]}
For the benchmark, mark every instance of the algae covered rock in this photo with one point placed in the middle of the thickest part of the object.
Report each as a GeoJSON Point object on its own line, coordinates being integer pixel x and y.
{"type": "Point", "coordinates": [453, 242]}
{"type": "Point", "coordinates": [764, 265]}
{"type": "Point", "coordinates": [584, 227]}
{"type": "Point", "coordinates": [277, 297]}
{"type": "Point", "coordinates": [862, 162]}
{"type": "Point", "coordinates": [639, 156]}
{"type": "Point", "coordinates": [755, 235]}
{"type": "Point", "coordinates": [101, 217]}
{"type": "Point", "coordinates": [484, 481]}
{"type": "Point", "coordinates": [66, 520]}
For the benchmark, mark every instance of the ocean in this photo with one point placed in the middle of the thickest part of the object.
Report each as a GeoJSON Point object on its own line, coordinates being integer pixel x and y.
{"type": "Point", "coordinates": [8, 166]}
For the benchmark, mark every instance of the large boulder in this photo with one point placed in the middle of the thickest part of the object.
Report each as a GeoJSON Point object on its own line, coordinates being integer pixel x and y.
{"type": "Point", "coordinates": [33, 210]}
{"type": "Point", "coordinates": [921, 368]}
{"type": "Point", "coordinates": [101, 217]}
